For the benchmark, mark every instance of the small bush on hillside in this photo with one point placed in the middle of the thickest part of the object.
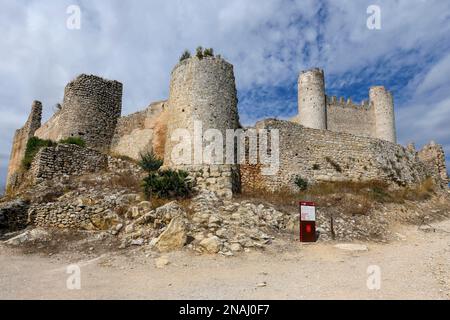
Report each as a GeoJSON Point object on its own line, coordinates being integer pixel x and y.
{"type": "Point", "coordinates": [334, 164]}
{"type": "Point", "coordinates": [73, 140]}
{"type": "Point", "coordinates": [167, 184]}
{"type": "Point", "coordinates": [34, 144]}
{"type": "Point", "coordinates": [150, 162]}
{"type": "Point", "coordinates": [301, 183]}
{"type": "Point", "coordinates": [126, 180]}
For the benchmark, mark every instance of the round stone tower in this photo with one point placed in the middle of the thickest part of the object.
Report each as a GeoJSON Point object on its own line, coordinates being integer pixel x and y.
{"type": "Point", "coordinates": [202, 95]}
{"type": "Point", "coordinates": [383, 106]}
{"type": "Point", "coordinates": [311, 99]}
{"type": "Point", "coordinates": [90, 110]}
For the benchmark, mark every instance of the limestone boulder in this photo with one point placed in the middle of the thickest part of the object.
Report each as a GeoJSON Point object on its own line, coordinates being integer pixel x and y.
{"type": "Point", "coordinates": [211, 244]}
{"type": "Point", "coordinates": [173, 238]}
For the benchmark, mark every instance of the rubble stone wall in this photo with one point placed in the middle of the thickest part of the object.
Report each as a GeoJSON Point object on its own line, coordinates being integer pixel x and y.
{"type": "Point", "coordinates": [223, 180]}
{"type": "Point", "coordinates": [433, 156]}
{"type": "Point", "coordinates": [66, 159]}
{"type": "Point", "coordinates": [322, 155]}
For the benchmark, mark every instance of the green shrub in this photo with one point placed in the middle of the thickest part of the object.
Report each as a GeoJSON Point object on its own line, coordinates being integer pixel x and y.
{"type": "Point", "coordinates": [73, 140]}
{"type": "Point", "coordinates": [186, 55]}
{"type": "Point", "coordinates": [316, 166]}
{"type": "Point", "coordinates": [199, 53]}
{"type": "Point", "coordinates": [34, 144]}
{"type": "Point", "coordinates": [150, 162]}
{"type": "Point", "coordinates": [301, 183]}
{"type": "Point", "coordinates": [209, 52]}
{"type": "Point", "coordinates": [167, 184]}
{"type": "Point", "coordinates": [334, 164]}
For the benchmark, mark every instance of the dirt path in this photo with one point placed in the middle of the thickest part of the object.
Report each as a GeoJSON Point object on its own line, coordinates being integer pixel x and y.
{"type": "Point", "coordinates": [417, 266]}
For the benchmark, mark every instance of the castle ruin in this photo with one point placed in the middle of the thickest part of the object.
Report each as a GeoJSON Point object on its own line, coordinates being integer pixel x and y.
{"type": "Point", "coordinates": [373, 119]}
{"type": "Point", "coordinates": [330, 139]}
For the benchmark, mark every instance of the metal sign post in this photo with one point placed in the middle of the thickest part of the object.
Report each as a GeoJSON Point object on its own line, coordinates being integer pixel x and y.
{"type": "Point", "coordinates": [307, 221]}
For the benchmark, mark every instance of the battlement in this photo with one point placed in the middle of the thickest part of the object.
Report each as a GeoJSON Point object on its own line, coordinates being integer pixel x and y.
{"type": "Point", "coordinates": [346, 102]}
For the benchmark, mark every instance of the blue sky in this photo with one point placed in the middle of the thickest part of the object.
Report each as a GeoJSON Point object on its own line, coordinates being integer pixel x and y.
{"type": "Point", "coordinates": [268, 42]}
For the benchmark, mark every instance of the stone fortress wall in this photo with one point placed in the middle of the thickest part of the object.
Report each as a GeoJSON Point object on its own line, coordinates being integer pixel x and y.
{"type": "Point", "coordinates": [331, 139]}
{"type": "Point", "coordinates": [327, 156]}
{"type": "Point", "coordinates": [345, 116]}
{"type": "Point", "coordinates": [66, 159]}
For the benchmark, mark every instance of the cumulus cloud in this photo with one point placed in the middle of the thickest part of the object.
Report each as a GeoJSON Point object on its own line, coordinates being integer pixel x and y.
{"type": "Point", "coordinates": [269, 42]}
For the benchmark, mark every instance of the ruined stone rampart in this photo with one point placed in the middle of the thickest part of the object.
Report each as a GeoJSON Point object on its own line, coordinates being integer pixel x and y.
{"type": "Point", "coordinates": [90, 111]}
{"type": "Point", "coordinates": [66, 159]}
{"type": "Point", "coordinates": [20, 140]}
{"type": "Point", "coordinates": [323, 155]}
{"type": "Point", "coordinates": [433, 156]}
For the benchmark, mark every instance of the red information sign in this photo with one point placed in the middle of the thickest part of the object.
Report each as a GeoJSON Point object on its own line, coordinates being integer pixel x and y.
{"type": "Point", "coordinates": [307, 221]}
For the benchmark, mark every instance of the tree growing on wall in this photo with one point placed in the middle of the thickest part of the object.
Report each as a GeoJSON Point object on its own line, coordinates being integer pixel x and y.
{"type": "Point", "coordinates": [208, 52]}
{"type": "Point", "coordinates": [199, 52]}
{"type": "Point", "coordinates": [186, 55]}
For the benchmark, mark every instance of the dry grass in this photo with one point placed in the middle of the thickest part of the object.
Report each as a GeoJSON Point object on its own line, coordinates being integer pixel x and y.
{"type": "Point", "coordinates": [122, 157]}
{"type": "Point", "coordinates": [350, 197]}
{"type": "Point", "coordinates": [127, 180]}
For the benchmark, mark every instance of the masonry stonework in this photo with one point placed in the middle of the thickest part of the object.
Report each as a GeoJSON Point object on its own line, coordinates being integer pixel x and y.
{"type": "Point", "coordinates": [202, 91]}
{"type": "Point", "coordinates": [383, 107]}
{"type": "Point", "coordinates": [90, 110]}
{"type": "Point", "coordinates": [202, 96]}
{"type": "Point", "coordinates": [66, 159]}
{"type": "Point", "coordinates": [20, 142]}
{"type": "Point", "coordinates": [326, 156]}
{"type": "Point", "coordinates": [311, 99]}
{"type": "Point", "coordinates": [345, 116]}
{"type": "Point", "coordinates": [433, 156]}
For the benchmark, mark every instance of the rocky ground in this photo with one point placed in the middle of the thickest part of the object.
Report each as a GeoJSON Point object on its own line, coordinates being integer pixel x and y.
{"type": "Point", "coordinates": [417, 266]}
{"type": "Point", "coordinates": [104, 222]}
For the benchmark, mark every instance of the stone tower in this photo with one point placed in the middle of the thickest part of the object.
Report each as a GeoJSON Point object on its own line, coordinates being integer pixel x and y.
{"type": "Point", "coordinates": [311, 99]}
{"type": "Point", "coordinates": [90, 110]}
{"type": "Point", "coordinates": [202, 91]}
{"type": "Point", "coordinates": [383, 106]}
